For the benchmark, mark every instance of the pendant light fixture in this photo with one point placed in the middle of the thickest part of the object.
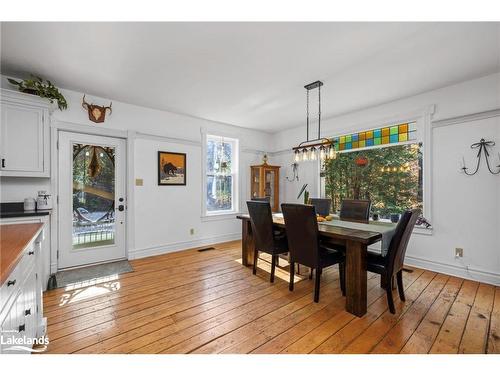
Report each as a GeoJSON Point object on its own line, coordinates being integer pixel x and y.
{"type": "Point", "coordinates": [318, 148]}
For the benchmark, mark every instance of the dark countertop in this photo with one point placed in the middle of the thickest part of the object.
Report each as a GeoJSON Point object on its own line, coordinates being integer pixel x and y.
{"type": "Point", "coordinates": [16, 209]}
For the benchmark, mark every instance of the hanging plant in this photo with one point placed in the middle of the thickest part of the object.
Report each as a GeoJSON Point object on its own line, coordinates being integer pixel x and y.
{"type": "Point", "coordinates": [44, 89]}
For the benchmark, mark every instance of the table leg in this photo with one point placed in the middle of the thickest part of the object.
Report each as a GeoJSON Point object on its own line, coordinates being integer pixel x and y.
{"type": "Point", "coordinates": [356, 276]}
{"type": "Point", "coordinates": [247, 243]}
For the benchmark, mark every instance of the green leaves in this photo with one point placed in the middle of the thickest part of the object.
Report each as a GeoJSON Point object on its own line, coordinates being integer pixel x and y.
{"type": "Point", "coordinates": [36, 85]}
{"type": "Point", "coordinates": [390, 191]}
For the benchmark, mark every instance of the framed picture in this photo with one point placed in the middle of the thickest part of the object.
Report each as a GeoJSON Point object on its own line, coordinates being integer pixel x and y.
{"type": "Point", "coordinates": [171, 168]}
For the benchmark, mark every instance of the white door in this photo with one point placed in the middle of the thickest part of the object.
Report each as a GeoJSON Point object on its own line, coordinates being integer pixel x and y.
{"type": "Point", "coordinates": [92, 199]}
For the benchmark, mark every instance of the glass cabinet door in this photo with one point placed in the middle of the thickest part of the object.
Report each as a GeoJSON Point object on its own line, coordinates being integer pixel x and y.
{"type": "Point", "coordinates": [269, 176]}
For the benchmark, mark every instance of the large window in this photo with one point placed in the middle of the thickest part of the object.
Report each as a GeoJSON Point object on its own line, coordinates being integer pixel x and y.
{"type": "Point", "coordinates": [389, 172]}
{"type": "Point", "coordinates": [221, 180]}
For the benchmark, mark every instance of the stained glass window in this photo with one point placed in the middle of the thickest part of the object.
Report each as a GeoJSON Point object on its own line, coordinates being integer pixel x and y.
{"type": "Point", "coordinates": [383, 136]}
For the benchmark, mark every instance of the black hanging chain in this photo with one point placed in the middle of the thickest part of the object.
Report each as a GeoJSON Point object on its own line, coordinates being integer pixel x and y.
{"type": "Point", "coordinates": [307, 114]}
{"type": "Point", "coordinates": [482, 147]}
{"type": "Point", "coordinates": [319, 111]}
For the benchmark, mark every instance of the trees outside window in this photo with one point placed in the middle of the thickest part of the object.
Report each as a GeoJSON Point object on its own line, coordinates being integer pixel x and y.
{"type": "Point", "coordinates": [221, 174]}
{"type": "Point", "coordinates": [391, 177]}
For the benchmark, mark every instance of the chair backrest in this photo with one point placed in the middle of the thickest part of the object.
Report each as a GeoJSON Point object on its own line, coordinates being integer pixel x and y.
{"type": "Point", "coordinates": [262, 199]}
{"type": "Point", "coordinates": [397, 248]}
{"type": "Point", "coordinates": [355, 210]}
{"type": "Point", "coordinates": [302, 232]}
{"type": "Point", "coordinates": [322, 205]}
{"type": "Point", "coordinates": [261, 218]}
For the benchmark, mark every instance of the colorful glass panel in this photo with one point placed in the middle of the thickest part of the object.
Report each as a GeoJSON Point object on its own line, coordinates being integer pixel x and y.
{"type": "Point", "coordinates": [382, 136]}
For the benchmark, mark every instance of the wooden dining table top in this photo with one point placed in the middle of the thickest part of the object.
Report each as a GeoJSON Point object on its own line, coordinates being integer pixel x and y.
{"type": "Point", "coordinates": [339, 233]}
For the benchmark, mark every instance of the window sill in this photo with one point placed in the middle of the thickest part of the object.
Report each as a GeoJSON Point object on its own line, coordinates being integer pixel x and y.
{"type": "Point", "coordinates": [423, 230]}
{"type": "Point", "coordinates": [220, 216]}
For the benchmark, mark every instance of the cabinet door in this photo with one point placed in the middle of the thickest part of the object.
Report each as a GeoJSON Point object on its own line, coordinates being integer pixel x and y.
{"type": "Point", "coordinates": [30, 305]}
{"type": "Point", "coordinates": [22, 140]}
{"type": "Point", "coordinates": [6, 331]}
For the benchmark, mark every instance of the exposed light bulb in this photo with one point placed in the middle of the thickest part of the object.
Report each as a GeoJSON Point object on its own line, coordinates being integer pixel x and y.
{"type": "Point", "coordinates": [305, 155]}
{"type": "Point", "coordinates": [297, 156]}
{"type": "Point", "coordinates": [322, 154]}
{"type": "Point", "coordinates": [313, 154]}
{"type": "Point", "coordinates": [382, 169]}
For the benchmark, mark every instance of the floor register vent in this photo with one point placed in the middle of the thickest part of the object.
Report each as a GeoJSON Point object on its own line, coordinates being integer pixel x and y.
{"type": "Point", "coordinates": [206, 249]}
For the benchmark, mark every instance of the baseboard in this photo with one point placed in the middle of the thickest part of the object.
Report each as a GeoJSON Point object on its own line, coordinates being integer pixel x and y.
{"type": "Point", "coordinates": [449, 269]}
{"type": "Point", "coordinates": [179, 246]}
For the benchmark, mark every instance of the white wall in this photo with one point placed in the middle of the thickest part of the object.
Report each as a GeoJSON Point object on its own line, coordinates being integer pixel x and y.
{"type": "Point", "coordinates": [164, 215]}
{"type": "Point", "coordinates": [466, 210]}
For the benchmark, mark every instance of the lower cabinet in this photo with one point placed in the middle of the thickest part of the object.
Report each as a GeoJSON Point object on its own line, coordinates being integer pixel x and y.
{"type": "Point", "coordinates": [21, 313]}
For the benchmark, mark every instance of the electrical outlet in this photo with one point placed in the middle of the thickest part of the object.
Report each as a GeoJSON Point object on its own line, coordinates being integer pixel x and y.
{"type": "Point", "coordinates": [459, 252]}
{"type": "Point", "coordinates": [191, 231]}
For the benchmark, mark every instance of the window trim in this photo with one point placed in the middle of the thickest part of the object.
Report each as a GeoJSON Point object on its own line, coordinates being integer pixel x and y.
{"type": "Point", "coordinates": [422, 118]}
{"type": "Point", "coordinates": [222, 214]}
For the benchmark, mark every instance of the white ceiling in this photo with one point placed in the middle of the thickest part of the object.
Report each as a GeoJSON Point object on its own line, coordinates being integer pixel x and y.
{"type": "Point", "coordinates": [251, 74]}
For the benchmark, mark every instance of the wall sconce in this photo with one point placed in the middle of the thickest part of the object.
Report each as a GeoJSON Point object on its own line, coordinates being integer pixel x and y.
{"type": "Point", "coordinates": [295, 170]}
{"type": "Point", "coordinates": [482, 147]}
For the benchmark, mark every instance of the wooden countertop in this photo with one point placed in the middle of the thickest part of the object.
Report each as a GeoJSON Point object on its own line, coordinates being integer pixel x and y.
{"type": "Point", "coordinates": [13, 240]}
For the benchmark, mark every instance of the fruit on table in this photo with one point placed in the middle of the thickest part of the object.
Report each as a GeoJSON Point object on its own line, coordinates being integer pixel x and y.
{"type": "Point", "coordinates": [329, 218]}
{"type": "Point", "coordinates": [320, 219]}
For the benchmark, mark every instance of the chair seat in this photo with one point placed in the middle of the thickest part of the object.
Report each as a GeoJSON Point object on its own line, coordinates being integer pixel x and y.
{"type": "Point", "coordinates": [280, 244]}
{"type": "Point", "coordinates": [333, 246]}
{"type": "Point", "coordinates": [279, 233]}
{"type": "Point", "coordinates": [330, 257]}
{"type": "Point", "coordinates": [375, 262]}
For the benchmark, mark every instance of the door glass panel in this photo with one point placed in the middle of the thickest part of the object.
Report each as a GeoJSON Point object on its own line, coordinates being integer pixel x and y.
{"type": "Point", "coordinates": [93, 196]}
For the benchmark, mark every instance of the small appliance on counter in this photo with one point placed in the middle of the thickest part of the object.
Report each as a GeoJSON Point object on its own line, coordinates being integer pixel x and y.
{"type": "Point", "coordinates": [29, 204]}
{"type": "Point", "coordinates": [44, 201]}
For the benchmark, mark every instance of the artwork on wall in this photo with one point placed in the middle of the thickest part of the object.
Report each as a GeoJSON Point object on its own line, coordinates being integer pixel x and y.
{"type": "Point", "coordinates": [171, 168]}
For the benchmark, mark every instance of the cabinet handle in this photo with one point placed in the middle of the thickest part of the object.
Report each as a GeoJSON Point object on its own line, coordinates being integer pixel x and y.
{"type": "Point", "coordinates": [31, 252]}
{"type": "Point", "coordinates": [27, 312]}
{"type": "Point", "coordinates": [11, 282]}
{"type": "Point", "coordinates": [22, 327]}
{"type": "Point", "coordinates": [3, 163]}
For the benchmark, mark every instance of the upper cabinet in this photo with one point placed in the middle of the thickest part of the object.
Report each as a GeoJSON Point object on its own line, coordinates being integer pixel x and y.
{"type": "Point", "coordinates": [24, 135]}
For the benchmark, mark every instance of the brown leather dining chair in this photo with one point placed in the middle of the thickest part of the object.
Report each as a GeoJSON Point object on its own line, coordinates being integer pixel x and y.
{"type": "Point", "coordinates": [303, 242]}
{"type": "Point", "coordinates": [355, 210]}
{"type": "Point", "coordinates": [266, 239]}
{"type": "Point", "coordinates": [322, 205]}
{"type": "Point", "coordinates": [392, 263]}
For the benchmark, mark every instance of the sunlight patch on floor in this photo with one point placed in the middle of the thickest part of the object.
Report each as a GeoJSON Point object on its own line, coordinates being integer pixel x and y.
{"type": "Point", "coordinates": [89, 289]}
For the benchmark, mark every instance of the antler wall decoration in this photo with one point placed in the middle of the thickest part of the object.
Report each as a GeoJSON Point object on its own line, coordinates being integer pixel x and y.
{"type": "Point", "coordinates": [97, 113]}
{"type": "Point", "coordinates": [482, 147]}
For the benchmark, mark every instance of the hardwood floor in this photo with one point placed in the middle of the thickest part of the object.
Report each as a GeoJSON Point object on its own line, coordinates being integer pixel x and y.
{"type": "Point", "coordinates": [207, 302]}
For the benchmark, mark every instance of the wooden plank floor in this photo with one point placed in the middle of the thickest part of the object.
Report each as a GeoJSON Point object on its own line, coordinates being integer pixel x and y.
{"type": "Point", "coordinates": [207, 302]}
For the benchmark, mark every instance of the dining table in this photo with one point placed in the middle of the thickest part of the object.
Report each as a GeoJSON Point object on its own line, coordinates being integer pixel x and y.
{"type": "Point", "coordinates": [354, 236]}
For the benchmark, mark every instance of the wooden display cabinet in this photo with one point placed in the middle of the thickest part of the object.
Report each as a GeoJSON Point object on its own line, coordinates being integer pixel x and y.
{"type": "Point", "coordinates": [265, 182]}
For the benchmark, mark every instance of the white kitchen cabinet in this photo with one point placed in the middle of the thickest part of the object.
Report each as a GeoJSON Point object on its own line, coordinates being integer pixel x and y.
{"type": "Point", "coordinates": [21, 304]}
{"type": "Point", "coordinates": [24, 135]}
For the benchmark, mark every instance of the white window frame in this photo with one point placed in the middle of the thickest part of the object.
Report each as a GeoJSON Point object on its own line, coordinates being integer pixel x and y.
{"type": "Point", "coordinates": [422, 118]}
{"type": "Point", "coordinates": [235, 169]}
